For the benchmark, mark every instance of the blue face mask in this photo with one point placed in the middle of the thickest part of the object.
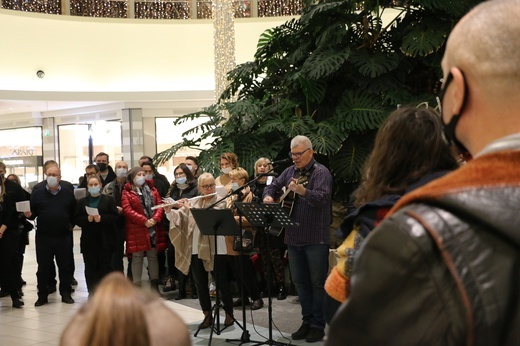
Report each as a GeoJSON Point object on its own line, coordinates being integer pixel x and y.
{"type": "Point", "coordinates": [139, 181]}
{"type": "Point", "coordinates": [234, 186]}
{"type": "Point", "coordinates": [181, 181]}
{"type": "Point", "coordinates": [94, 190]}
{"type": "Point", "coordinates": [121, 173]}
{"type": "Point", "coordinates": [52, 181]}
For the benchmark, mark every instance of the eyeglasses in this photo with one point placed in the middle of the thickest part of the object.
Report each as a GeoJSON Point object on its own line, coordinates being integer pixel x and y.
{"type": "Point", "coordinates": [297, 155]}
{"type": "Point", "coordinates": [207, 187]}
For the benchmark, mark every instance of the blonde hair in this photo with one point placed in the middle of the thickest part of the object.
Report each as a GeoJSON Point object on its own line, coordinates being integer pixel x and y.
{"type": "Point", "coordinates": [261, 161]}
{"type": "Point", "coordinates": [120, 314]}
{"type": "Point", "coordinates": [239, 173]}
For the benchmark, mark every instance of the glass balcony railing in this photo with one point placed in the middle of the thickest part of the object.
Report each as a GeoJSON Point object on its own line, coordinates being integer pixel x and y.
{"type": "Point", "coordinates": [154, 9]}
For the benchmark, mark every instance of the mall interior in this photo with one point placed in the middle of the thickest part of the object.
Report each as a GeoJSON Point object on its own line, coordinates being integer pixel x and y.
{"type": "Point", "coordinates": [82, 77]}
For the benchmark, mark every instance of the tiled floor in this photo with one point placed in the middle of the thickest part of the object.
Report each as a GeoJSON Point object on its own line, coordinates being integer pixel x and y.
{"type": "Point", "coordinates": [43, 325]}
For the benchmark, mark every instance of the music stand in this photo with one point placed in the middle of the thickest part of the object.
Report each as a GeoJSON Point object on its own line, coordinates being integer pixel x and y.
{"type": "Point", "coordinates": [266, 215]}
{"type": "Point", "coordinates": [216, 222]}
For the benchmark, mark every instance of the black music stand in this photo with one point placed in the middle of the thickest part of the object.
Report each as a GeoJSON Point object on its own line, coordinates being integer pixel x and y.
{"type": "Point", "coordinates": [216, 222]}
{"type": "Point", "coordinates": [266, 215]}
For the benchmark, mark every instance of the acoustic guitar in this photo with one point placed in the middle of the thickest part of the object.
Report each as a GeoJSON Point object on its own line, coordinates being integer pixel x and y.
{"type": "Point", "coordinates": [287, 201]}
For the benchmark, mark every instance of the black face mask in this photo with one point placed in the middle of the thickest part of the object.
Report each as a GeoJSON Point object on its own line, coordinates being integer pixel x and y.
{"type": "Point", "coordinates": [102, 166]}
{"type": "Point", "coordinates": [448, 130]}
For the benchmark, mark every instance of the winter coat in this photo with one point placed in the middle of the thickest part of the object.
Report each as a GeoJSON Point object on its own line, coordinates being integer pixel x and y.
{"type": "Point", "coordinates": [137, 236]}
{"type": "Point", "coordinates": [442, 268]}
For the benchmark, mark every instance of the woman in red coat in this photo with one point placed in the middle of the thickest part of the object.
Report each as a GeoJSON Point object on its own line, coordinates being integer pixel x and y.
{"type": "Point", "coordinates": [145, 234]}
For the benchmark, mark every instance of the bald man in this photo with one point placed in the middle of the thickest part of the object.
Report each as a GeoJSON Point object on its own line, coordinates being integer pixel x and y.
{"type": "Point", "coordinates": [443, 268]}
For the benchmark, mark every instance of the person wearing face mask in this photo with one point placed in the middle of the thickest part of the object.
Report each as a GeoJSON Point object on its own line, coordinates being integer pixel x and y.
{"type": "Point", "coordinates": [90, 170]}
{"type": "Point", "coordinates": [193, 165]}
{"type": "Point", "coordinates": [184, 186]}
{"type": "Point", "coordinates": [97, 232]}
{"type": "Point", "coordinates": [228, 161]}
{"type": "Point", "coordinates": [105, 171]}
{"type": "Point", "coordinates": [10, 193]}
{"type": "Point", "coordinates": [151, 174]}
{"type": "Point", "coordinates": [145, 233]}
{"type": "Point", "coordinates": [115, 190]}
{"type": "Point", "coordinates": [156, 174]}
{"type": "Point", "coordinates": [66, 185]}
{"type": "Point", "coordinates": [54, 207]}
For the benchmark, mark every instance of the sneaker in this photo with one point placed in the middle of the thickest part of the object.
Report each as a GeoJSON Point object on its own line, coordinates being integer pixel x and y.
{"type": "Point", "coordinates": [301, 333]}
{"type": "Point", "coordinates": [315, 335]}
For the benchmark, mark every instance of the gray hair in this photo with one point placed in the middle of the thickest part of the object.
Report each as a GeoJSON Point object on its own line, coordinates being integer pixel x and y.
{"type": "Point", "coordinates": [301, 140]}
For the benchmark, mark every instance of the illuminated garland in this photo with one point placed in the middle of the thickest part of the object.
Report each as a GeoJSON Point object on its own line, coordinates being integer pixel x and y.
{"type": "Point", "coordinates": [155, 9]}
{"type": "Point", "coordinates": [224, 42]}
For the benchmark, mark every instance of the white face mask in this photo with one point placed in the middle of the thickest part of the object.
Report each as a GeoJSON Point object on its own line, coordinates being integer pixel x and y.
{"type": "Point", "coordinates": [234, 186]}
{"type": "Point", "coordinates": [121, 173]}
{"type": "Point", "coordinates": [181, 181]}
{"type": "Point", "coordinates": [226, 170]}
{"type": "Point", "coordinates": [52, 181]}
{"type": "Point", "coordinates": [190, 167]}
{"type": "Point", "coordinates": [139, 181]}
{"type": "Point", "coordinates": [149, 176]}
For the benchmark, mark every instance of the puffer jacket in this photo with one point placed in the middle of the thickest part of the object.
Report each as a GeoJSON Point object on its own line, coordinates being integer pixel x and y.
{"type": "Point", "coordinates": [137, 237]}
{"type": "Point", "coordinates": [443, 268]}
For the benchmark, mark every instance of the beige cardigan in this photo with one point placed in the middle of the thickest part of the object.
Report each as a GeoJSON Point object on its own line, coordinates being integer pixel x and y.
{"type": "Point", "coordinates": [182, 226]}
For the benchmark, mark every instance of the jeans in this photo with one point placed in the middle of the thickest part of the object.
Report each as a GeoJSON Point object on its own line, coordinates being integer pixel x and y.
{"type": "Point", "coordinates": [309, 265]}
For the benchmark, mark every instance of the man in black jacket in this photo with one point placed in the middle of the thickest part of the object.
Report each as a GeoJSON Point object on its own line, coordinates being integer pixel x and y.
{"type": "Point", "coordinates": [443, 268]}
{"type": "Point", "coordinates": [105, 171]}
{"type": "Point", "coordinates": [54, 207]}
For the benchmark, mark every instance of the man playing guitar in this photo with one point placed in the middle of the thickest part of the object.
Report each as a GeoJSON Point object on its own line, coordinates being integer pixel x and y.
{"type": "Point", "coordinates": [308, 241]}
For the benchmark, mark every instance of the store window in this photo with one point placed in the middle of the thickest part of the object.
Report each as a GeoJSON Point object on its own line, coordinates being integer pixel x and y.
{"type": "Point", "coordinates": [168, 135]}
{"type": "Point", "coordinates": [21, 151]}
{"type": "Point", "coordinates": [79, 144]}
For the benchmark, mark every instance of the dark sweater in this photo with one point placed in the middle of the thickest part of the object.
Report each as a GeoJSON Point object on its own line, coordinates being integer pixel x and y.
{"type": "Point", "coordinates": [55, 212]}
{"type": "Point", "coordinates": [96, 235]}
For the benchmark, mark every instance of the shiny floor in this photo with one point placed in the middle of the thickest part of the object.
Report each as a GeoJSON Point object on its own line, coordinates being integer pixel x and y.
{"type": "Point", "coordinates": [43, 325]}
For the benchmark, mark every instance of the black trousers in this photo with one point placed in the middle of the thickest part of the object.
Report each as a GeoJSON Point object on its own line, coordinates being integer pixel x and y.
{"type": "Point", "coordinates": [201, 282]}
{"type": "Point", "coordinates": [52, 271]}
{"type": "Point", "coordinates": [8, 262]}
{"type": "Point", "coordinates": [48, 248]}
{"type": "Point", "coordinates": [249, 285]}
{"type": "Point", "coordinates": [119, 252]}
{"type": "Point", "coordinates": [97, 265]}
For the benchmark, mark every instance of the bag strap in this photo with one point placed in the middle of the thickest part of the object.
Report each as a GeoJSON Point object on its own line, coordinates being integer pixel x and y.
{"type": "Point", "coordinates": [460, 248]}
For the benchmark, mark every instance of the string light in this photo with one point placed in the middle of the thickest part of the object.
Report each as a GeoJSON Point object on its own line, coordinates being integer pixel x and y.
{"type": "Point", "coordinates": [224, 42]}
{"type": "Point", "coordinates": [155, 9]}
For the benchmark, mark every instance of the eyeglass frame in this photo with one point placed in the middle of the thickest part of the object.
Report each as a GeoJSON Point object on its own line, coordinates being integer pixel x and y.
{"type": "Point", "coordinates": [207, 187]}
{"type": "Point", "coordinates": [298, 155]}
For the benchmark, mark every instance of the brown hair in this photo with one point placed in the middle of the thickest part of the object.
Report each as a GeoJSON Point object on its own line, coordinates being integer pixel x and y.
{"type": "Point", "coordinates": [120, 314]}
{"type": "Point", "coordinates": [407, 147]}
{"type": "Point", "coordinates": [232, 158]}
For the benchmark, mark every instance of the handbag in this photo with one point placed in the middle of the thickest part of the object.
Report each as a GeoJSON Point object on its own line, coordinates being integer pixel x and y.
{"type": "Point", "coordinates": [247, 242]}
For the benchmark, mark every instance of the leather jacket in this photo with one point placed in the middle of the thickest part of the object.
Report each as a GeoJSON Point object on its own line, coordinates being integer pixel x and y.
{"type": "Point", "coordinates": [444, 267]}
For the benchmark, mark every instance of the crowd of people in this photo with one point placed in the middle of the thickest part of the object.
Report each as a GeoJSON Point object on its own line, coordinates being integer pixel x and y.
{"type": "Point", "coordinates": [429, 251]}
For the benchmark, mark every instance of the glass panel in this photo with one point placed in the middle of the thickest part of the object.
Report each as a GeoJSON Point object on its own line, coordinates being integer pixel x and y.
{"type": "Point", "coordinates": [204, 9]}
{"type": "Point", "coordinates": [74, 146]}
{"type": "Point", "coordinates": [21, 151]}
{"type": "Point", "coordinates": [168, 134]}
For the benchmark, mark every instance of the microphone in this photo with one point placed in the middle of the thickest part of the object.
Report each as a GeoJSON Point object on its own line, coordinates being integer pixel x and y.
{"type": "Point", "coordinates": [272, 174]}
{"type": "Point", "coordinates": [281, 161]}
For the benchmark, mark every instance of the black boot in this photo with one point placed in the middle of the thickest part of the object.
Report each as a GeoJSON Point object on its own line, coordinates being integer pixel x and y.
{"type": "Point", "coordinates": [17, 303]}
